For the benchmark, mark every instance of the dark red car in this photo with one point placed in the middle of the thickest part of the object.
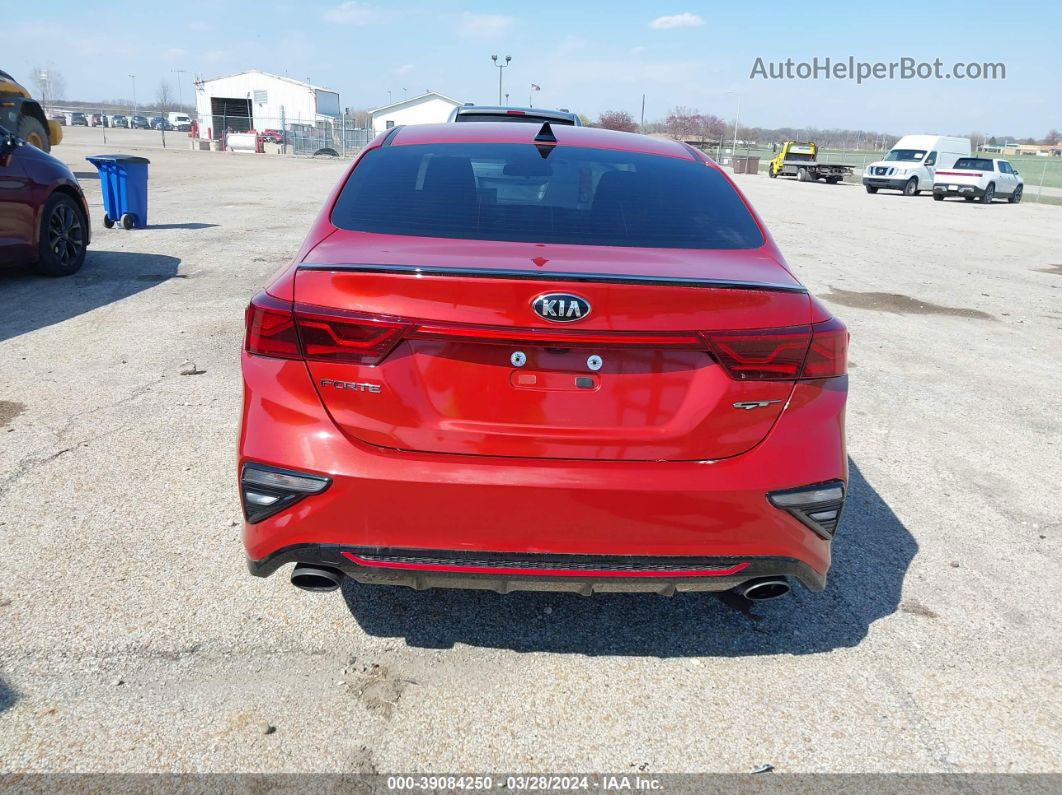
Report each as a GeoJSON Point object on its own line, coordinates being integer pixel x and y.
{"type": "Point", "coordinates": [515, 357]}
{"type": "Point", "coordinates": [273, 136]}
{"type": "Point", "coordinates": [44, 219]}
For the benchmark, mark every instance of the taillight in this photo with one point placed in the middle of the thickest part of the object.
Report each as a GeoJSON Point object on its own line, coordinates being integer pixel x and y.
{"type": "Point", "coordinates": [761, 354]}
{"type": "Point", "coordinates": [276, 328]}
{"type": "Point", "coordinates": [828, 354]}
{"type": "Point", "coordinates": [347, 338]}
{"type": "Point", "coordinates": [271, 328]}
{"type": "Point", "coordinates": [783, 354]}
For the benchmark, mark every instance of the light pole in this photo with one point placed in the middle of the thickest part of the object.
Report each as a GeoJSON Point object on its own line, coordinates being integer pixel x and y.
{"type": "Point", "coordinates": [500, 67]}
{"type": "Point", "coordinates": [133, 78]}
{"type": "Point", "coordinates": [737, 116]}
{"type": "Point", "coordinates": [42, 76]}
{"type": "Point", "coordinates": [178, 72]}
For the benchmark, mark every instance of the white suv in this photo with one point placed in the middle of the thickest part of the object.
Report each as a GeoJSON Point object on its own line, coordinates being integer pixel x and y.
{"type": "Point", "coordinates": [979, 178]}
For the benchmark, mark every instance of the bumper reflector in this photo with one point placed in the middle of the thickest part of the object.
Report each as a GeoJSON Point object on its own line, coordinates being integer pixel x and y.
{"type": "Point", "coordinates": [265, 490]}
{"type": "Point", "coordinates": [818, 506]}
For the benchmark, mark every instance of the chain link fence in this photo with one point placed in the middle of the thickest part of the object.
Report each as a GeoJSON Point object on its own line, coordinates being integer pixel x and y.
{"type": "Point", "coordinates": [325, 136]}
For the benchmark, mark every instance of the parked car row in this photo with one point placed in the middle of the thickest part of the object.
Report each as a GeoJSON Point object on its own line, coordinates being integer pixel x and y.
{"type": "Point", "coordinates": [945, 166]}
{"type": "Point", "coordinates": [181, 122]}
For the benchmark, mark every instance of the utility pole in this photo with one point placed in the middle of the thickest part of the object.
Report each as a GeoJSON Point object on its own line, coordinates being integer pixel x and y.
{"type": "Point", "coordinates": [500, 66]}
{"type": "Point", "coordinates": [642, 122]}
{"type": "Point", "coordinates": [133, 78]}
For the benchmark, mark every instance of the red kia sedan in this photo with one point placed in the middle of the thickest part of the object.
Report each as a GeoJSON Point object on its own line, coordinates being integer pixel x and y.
{"type": "Point", "coordinates": [520, 357]}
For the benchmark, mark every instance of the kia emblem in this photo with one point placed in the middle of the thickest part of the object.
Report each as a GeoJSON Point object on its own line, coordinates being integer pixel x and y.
{"type": "Point", "coordinates": [561, 307]}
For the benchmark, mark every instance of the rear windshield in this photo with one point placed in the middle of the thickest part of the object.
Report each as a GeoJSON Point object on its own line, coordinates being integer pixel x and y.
{"type": "Point", "coordinates": [548, 194]}
{"type": "Point", "coordinates": [978, 163]}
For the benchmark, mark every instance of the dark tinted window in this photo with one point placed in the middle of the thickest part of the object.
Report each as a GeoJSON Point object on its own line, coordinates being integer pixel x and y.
{"type": "Point", "coordinates": [976, 163]}
{"type": "Point", "coordinates": [573, 195]}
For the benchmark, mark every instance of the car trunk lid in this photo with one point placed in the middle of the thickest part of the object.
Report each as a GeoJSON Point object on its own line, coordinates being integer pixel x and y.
{"type": "Point", "coordinates": [450, 356]}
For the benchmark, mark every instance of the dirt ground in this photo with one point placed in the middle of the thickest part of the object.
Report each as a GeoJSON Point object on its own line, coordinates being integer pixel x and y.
{"type": "Point", "coordinates": [133, 639]}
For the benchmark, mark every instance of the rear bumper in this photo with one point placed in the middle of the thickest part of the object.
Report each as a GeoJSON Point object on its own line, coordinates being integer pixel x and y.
{"type": "Point", "coordinates": [503, 573]}
{"type": "Point", "coordinates": [710, 512]}
{"type": "Point", "coordinates": [962, 190]}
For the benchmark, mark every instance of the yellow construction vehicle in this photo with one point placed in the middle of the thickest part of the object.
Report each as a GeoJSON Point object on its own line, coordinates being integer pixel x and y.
{"type": "Point", "coordinates": [23, 115]}
{"type": "Point", "coordinates": [800, 159]}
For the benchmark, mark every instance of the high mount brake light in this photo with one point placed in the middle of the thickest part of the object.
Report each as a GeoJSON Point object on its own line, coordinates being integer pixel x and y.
{"type": "Point", "coordinates": [276, 328]}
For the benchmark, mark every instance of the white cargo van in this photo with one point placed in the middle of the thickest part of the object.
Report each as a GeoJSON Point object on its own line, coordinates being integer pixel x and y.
{"type": "Point", "coordinates": [909, 166]}
{"type": "Point", "coordinates": [180, 121]}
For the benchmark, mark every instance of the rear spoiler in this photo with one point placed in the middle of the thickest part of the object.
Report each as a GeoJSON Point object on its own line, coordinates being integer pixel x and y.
{"type": "Point", "coordinates": [507, 273]}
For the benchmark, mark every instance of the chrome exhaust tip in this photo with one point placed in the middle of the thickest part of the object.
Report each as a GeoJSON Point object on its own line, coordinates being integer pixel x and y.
{"type": "Point", "coordinates": [765, 588]}
{"type": "Point", "coordinates": [316, 578]}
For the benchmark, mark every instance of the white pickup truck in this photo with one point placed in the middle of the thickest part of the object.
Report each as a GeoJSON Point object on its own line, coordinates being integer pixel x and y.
{"type": "Point", "coordinates": [978, 178]}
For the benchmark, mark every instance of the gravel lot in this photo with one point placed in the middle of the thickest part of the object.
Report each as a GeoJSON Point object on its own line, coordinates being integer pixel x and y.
{"type": "Point", "coordinates": [133, 638]}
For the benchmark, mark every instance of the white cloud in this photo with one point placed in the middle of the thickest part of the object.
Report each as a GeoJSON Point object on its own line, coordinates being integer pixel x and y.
{"type": "Point", "coordinates": [572, 43]}
{"type": "Point", "coordinates": [403, 70]}
{"type": "Point", "coordinates": [199, 27]}
{"type": "Point", "coordinates": [638, 50]}
{"type": "Point", "coordinates": [683, 20]}
{"type": "Point", "coordinates": [484, 26]}
{"type": "Point", "coordinates": [352, 13]}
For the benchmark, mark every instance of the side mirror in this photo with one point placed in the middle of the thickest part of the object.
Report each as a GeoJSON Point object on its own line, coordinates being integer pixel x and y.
{"type": "Point", "coordinates": [1015, 172]}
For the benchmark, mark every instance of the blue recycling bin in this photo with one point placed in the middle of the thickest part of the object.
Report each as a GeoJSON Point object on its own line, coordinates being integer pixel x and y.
{"type": "Point", "coordinates": [124, 181]}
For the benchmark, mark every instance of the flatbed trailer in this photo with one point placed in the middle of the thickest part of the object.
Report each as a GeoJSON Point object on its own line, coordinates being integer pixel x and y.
{"type": "Point", "coordinates": [800, 159]}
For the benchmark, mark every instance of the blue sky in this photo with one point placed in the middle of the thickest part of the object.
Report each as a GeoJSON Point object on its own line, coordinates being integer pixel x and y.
{"type": "Point", "coordinates": [587, 55]}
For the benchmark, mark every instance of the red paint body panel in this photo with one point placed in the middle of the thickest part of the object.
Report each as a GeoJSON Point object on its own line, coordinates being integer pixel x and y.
{"type": "Point", "coordinates": [429, 501]}
{"type": "Point", "coordinates": [508, 133]}
{"type": "Point", "coordinates": [754, 266]}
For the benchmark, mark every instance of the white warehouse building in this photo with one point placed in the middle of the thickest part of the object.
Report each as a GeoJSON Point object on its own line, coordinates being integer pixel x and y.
{"type": "Point", "coordinates": [255, 100]}
{"type": "Point", "coordinates": [430, 107]}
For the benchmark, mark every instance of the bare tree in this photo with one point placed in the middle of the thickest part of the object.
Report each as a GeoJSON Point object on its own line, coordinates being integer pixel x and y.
{"type": "Point", "coordinates": [710, 127]}
{"type": "Point", "coordinates": [1053, 137]}
{"type": "Point", "coordinates": [617, 120]}
{"type": "Point", "coordinates": [49, 84]}
{"type": "Point", "coordinates": [164, 96]}
{"type": "Point", "coordinates": [359, 117]}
